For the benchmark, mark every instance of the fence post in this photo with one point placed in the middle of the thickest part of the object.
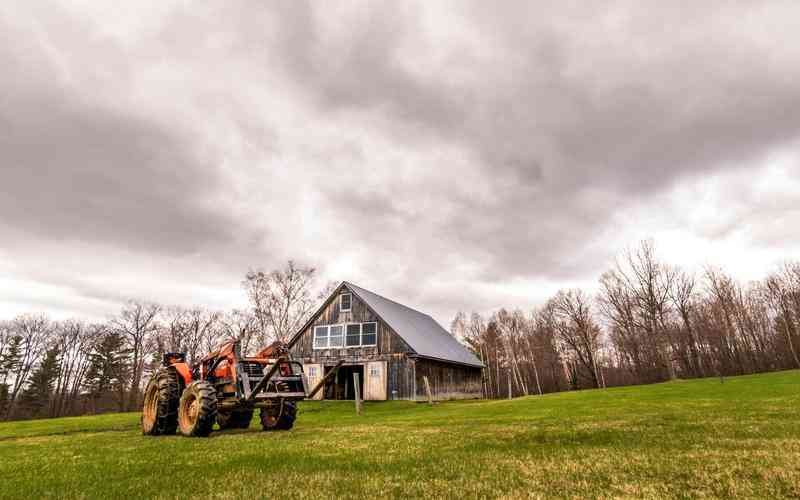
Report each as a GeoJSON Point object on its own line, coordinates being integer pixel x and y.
{"type": "Point", "coordinates": [359, 406]}
{"type": "Point", "coordinates": [428, 389]}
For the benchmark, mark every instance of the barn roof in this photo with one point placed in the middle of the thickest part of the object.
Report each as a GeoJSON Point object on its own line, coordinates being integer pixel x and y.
{"type": "Point", "coordinates": [420, 331]}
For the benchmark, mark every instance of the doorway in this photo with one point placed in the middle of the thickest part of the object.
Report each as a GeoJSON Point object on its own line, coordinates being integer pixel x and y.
{"type": "Point", "coordinates": [342, 386]}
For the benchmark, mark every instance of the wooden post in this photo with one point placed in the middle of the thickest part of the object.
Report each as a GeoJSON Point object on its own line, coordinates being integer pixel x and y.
{"type": "Point", "coordinates": [427, 389]}
{"type": "Point", "coordinates": [357, 387]}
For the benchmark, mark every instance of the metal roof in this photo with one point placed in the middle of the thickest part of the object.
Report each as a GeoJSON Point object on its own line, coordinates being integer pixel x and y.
{"type": "Point", "coordinates": [421, 332]}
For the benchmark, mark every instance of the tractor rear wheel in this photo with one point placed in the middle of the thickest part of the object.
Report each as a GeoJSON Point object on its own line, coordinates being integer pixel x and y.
{"type": "Point", "coordinates": [198, 409]}
{"type": "Point", "coordinates": [161, 397]}
{"type": "Point", "coordinates": [280, 417]}
{"type": "Point", "coordinates": [238, 419]}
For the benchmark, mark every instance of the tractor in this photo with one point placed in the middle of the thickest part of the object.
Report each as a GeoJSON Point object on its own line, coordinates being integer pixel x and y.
{"type": "Point", "coordinates": [224, 388]}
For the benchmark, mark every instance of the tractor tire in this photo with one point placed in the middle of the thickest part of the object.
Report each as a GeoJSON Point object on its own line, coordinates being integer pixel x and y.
{"type": "Point", "coordinates": [279, 418]}
{"type": "Point", "coordinates": [239, 419]}
{"type": "Point", "coordinates": [197, 411]}
{"type": "Point", "coordinates": [161, 398]}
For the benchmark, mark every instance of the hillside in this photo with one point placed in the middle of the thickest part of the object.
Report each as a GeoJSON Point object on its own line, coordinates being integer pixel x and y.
{"type": "Point", "coordinates": [695, 438]}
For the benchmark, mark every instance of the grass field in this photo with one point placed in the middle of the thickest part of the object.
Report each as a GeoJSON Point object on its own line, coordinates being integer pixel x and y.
{"type": "Point", "coordinates": [686, 439]}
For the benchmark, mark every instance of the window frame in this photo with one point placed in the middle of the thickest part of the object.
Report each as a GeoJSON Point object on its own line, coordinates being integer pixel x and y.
{"type": "Point", "coordinates": [342, 309]}
{"type": "Point", "coordinates": [376, 334]}
{"type": "Point", "coordinates": [344, 345]}
{"type": "Point", "coordinates": [360, 332]}
{"type": "Point", "coordinates": [327, 337]}
{"type": "Point", "coordinates": [342, 335]}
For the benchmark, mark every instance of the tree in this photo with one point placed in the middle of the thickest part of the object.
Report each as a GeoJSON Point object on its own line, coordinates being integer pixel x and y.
{"type": "Point", "coordinates": [74, 341]}
{"type": "Point", "coordinates": [33, 331]}
{"type": "Point", "coordinates": [109, 369]}
{"type": "Point", "coordinates": [577, 331]}
{"type": "Point", "coordinates": [35, 399]}
{"type": "Point", "coordinates": [239, 325]}
{"type": "Point", "coordinates": [635, 299]}
{"type": "Point", "coordinates": [136, 323]}
{"type": "Point", "coordinates": [9, 360]}
{"type": "Point", "coordinates": [281, 300]}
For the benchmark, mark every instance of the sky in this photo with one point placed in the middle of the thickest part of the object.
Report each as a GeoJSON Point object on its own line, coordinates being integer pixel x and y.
{"type": "Point", "coordinates": [449, 155]}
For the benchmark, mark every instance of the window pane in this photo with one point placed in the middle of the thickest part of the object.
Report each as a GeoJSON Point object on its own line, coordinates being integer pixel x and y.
{"type": "Point", "coordinates": [321, 336]}
{"type": "Point", "coordinates": [353, 335]}
{"type": "Point", "coordinates": [346, 301]}
{"type": "Point", "coordinates": [370, 336]}
{"type": "Point", "coordinates": [336, 336]}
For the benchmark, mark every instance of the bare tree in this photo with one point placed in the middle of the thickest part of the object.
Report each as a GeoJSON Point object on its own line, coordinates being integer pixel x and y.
{"type": "Point", "coordinates": [136, 323]}
{"type": "Point", "coordinates": [281, 300]}
{"type": "Point", "coordinates": [783, 295]}
{"type": "Point", "coordinates": [682, 296]}
{"type": "Point", "coordinates": [34, 332]}
{"type": "Point", "coordinates": [239, 325]}
{"type": "Point", "coordinates": [577, 330]}
{"type": "Point", "coordinates": [74, 340]}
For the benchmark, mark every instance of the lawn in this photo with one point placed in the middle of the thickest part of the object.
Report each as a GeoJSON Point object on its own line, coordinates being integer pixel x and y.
{"type": "Point", "coordinates": [685, 439]}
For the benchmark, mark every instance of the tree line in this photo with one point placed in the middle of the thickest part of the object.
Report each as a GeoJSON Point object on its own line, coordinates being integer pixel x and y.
{"type": "Point", "coordinates": [649, 322]}
{"type": "Point", "coordinates": [71, 367]}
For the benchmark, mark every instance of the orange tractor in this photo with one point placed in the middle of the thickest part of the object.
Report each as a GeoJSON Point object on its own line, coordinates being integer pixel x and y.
{"type": "Point", "coordinates": [224, 388]}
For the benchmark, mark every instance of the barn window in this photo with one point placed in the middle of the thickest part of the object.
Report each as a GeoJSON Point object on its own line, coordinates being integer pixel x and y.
{"type": "Point", "coordinates": [336, 334]}
{"type": "Point", "coordinates": [312, 371]}
{"type": "Point", "coordinates": [354, 335]}
{"type": "Point", "coordinates": [321, 337]}
{"type": "Point", "coordinates": [369, 334]}
{"type": "Point", "coordinates": [375, 371]}
{"type": "Point", "coordinates": [345, 302]}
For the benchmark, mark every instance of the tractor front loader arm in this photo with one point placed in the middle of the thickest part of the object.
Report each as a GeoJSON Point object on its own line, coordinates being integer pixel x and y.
{"type": "Point", "coordinates": [325, 379]}
{"type": "Point", "coordinates": [265, 379]}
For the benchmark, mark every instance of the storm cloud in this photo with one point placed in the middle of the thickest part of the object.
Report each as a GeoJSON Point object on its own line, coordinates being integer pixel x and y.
{"type": "Point", "coordinates": [452, 156]}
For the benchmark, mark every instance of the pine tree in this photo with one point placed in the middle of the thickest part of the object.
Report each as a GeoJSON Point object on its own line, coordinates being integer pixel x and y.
{"type": "Point", "coordinates": [10, 359]}
{"type": "Point", "coordinates": [4, 399]}
{"type": "Point", "coordinates": [8, 363]}
{"type": "Point", "coordinates": [108, 368]}
{"type": "Point", "coordinates": [35, 399]}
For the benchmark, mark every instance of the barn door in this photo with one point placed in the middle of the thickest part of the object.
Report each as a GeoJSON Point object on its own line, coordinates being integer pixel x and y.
{"type": "Point", "coordinates": [314, 374]}
{"type": "Point", "coordinates": [375, 381]}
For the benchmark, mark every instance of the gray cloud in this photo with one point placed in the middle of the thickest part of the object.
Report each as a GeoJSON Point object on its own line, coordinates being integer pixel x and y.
{"type": "Point", "coordinates": [418, 148]}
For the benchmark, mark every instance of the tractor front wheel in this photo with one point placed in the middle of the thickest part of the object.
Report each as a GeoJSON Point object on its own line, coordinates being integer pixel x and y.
{"type": "Point", "coordinates": [160, 412]}
{"type": "Point", "coordinates": [198, 409]}
{"type": "Point", "coordinates": [280, 417]}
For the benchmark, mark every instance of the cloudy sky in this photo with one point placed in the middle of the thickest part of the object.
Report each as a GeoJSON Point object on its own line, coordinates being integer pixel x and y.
{"type": "Point", "coordinates": [448, 155]}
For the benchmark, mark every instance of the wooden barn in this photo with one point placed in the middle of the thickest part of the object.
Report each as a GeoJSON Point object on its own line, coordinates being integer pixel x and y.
{"type": "Point", "coordinates": [391, 346]}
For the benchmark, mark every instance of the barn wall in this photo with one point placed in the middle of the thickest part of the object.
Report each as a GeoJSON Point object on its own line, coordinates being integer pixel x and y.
{"type": "Point", "coordinates": [447, 381]}
{"type": "Point", "coordinates": [390, 347]}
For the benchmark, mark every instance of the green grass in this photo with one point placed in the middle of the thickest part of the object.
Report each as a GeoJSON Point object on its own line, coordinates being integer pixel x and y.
{"type": "Point", "coordinates": [686, 439]}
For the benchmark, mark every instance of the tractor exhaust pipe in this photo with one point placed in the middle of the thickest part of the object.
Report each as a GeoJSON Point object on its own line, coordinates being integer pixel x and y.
{"type": "Point", "coordinates": [325, 379]}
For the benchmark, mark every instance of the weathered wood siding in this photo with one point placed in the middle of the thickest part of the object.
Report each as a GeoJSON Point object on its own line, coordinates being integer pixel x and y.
{"type": "Point", "coordinates": [390, 347]}
{"type": "Point", "coordinates": [447, 381]}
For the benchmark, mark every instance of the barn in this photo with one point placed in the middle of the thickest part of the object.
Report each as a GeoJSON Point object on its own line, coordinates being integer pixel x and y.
{"type": "Point", "coordinates": [392, 348]}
